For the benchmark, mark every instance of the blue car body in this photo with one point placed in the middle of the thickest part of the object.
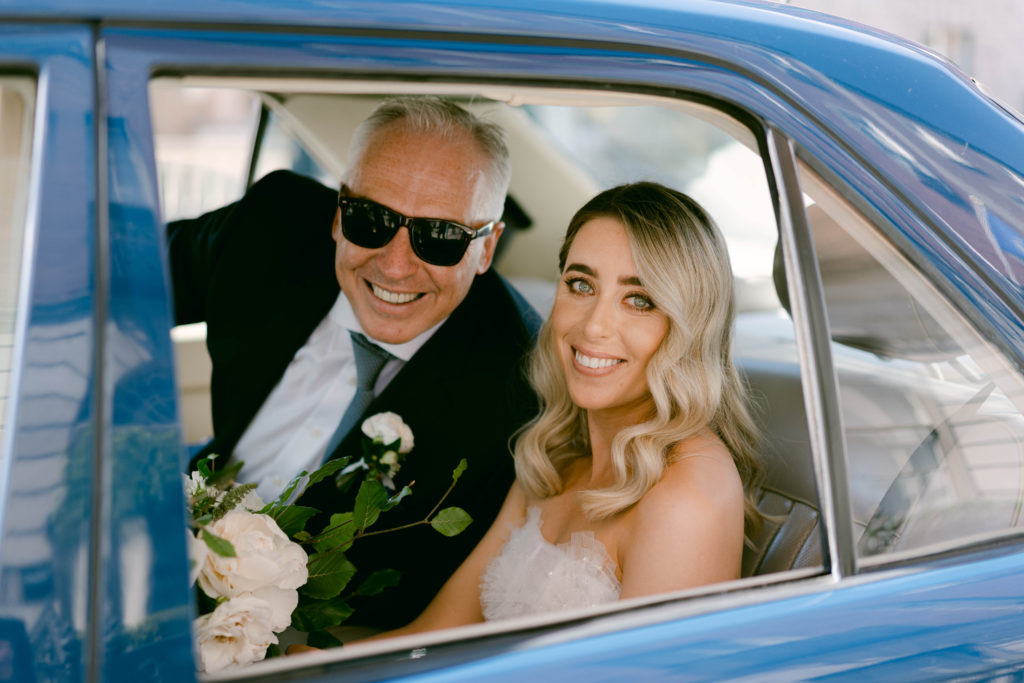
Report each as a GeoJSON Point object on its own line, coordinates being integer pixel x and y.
{"type": "Point", "coordinates": [92, 454]}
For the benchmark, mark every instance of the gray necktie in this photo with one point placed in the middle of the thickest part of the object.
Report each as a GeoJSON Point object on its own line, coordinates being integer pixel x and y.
{"type": "Point", "coordinates": [370, 359]}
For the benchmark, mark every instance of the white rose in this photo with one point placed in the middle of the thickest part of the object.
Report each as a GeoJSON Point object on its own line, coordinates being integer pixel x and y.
{"type": "Point", "coordinates": [238, 632]}
{"type": "Point", "coordinates": [387, 428]}
{"type": "Point", "coordinates": [265, 558]}
{"type": "Point", "coordinates": [197, 552]}
{"type": "Point", "coordinates": [282, 602]}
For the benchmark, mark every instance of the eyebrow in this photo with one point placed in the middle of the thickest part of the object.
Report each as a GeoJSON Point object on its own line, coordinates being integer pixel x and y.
{"type": "Point", "coordinates": [587, 270]}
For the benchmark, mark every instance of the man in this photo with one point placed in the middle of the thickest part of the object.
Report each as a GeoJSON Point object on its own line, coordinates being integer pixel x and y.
{"type": "Point", "coordinates": [286, 347]}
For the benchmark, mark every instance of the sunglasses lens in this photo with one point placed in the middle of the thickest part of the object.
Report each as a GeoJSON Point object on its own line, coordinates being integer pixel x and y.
{"type": "Point", "coordinates": [367, 225]}
{"type": "Point", "coordinates": [439, 242]}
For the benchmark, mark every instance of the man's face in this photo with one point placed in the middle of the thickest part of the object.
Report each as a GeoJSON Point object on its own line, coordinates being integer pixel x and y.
{"type": "Point", "coordinates": [395, 295]}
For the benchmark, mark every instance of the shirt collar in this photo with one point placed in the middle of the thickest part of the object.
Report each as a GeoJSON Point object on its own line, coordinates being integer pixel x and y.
{"type": "Point", "coordinates": [341, 313]}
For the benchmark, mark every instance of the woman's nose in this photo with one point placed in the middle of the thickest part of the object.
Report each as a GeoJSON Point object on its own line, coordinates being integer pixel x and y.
{"type": "Point", "coordinates": [600, 320]}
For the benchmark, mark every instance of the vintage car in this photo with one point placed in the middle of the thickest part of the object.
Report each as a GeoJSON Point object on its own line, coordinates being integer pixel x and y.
{"type": "Point", "coordinates": [873, 200]}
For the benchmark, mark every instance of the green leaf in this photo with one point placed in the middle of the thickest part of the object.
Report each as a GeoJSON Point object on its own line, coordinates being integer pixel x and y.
{"type": "Point", "coordinates": [451, 521]}
{"type": "Point", "coordinates": [273, 651]}
{"type": "Point", "coordinates": [338, 534]}
{"type": "Point", "coordinates": [459, 469]}
{"type": "Point", "coordinates": [378, 581]}
{"type": "Point", "coordinates": [292, 518]}
{"type": "Point", "coordinates": [396, 499]}
{"type": "Point", "coordinates": [217, 544]}
{"type": "Point", "coordinates": [327, 469]}
{"type": "Point", "coordinates": [302, 536]}
{"type": "Point", "coordinates": [314, 615]}
{"type": "Point", "coordinates": [369, 501]}
{"type": "Point", "coordinates": [203, 465]}
{"type": "Point", "coordinates": [329, 573]}
{"type": "Point", "coordinates": [322, 640]}
{"type": "Point", "coordinates": [224, 477]}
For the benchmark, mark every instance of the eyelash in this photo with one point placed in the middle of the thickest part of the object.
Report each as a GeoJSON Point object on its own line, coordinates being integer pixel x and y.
{"type": "Point", "coordinates": [574, 284]}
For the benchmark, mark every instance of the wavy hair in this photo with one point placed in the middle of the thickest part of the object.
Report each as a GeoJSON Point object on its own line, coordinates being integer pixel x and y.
{"type": "Point", "coordinates": [682, 261]}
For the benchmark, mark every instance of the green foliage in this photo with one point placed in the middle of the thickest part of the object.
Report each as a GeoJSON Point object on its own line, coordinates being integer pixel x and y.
{"type": "Point", "coordinates": [231, 500]}
{"type": "Point", "coordinates": [337, 534]}
{"type": "Point", "coordinates": [378, 581]}
{"type": "Point", "coordinates": [459, 469]}
{"type": "Point", "coordinates": [315, 615]}
{"type": "Point", "coordinates": [451, 521]}
{"type": "Point", "coordinates": [221, 546]}
{"type": "Point", "coordinates": [396, 499]}
{"type": "Point", "coordinates": [370, 500]}
{"type": "Point", "coordinates": [322, 640]}
{"type": "Point", "coordinates": [329, 573]}
{"type": "Point", "coordinates": [292, 519]}
{"type": "Point", "coordinates": [323, 600]}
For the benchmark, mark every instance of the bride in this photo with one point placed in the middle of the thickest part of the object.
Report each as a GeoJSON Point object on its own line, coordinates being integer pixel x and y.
{"type": "Point", "coordinates": [635, 477]}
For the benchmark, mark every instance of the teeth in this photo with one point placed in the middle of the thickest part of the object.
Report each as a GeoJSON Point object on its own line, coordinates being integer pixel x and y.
{"type": "Point", "coordinates": [596, 363]}
{"type": "Point", "coordinates": [393, 297]}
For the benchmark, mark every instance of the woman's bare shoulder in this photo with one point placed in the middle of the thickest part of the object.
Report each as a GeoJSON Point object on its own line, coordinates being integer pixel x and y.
{"type": "Point", "coordinates": [699, 482]}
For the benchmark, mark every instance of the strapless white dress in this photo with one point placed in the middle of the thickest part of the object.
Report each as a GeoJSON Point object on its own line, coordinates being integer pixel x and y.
{"type": "Point", "coordinates": [532, 575]}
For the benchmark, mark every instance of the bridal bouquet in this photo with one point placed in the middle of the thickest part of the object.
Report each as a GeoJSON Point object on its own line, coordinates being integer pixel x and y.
{"type": "Point", "coordinates": [260, 570]}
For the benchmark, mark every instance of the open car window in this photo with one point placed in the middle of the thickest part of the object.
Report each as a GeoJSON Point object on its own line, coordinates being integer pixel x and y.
{"type": "Point", "coordinates": [16, 110]}
{"type": "Point", "coordinates": [566, 146]}
{"type": "Point", "coordinates": [931, 411]}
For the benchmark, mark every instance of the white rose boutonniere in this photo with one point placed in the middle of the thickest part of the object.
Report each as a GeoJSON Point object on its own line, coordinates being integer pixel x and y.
{"type": "Point", "coordinates": [388, 440]}
{"type": "Point", "coordinates": [388, 430]}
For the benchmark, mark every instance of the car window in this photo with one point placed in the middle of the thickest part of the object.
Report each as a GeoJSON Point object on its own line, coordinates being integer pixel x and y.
{"type": "Point", "coordinates": [931, 411]}
{"type": "Point", "coordinates": [16, 106]}
{"type": "Point", "coordinates": [567, 146]}
{"type": "Point", "coordinates": [202, 139]}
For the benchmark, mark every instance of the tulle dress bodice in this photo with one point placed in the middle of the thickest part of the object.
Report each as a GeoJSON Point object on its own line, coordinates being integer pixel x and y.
{"type": "Point", "coordinates": [532, 575]}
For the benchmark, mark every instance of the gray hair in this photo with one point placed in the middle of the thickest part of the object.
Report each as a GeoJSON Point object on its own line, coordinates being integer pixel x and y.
{"type": "Point", "coordinates": [444, 118]}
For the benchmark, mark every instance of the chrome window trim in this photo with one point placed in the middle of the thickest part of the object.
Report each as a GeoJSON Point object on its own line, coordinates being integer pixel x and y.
{"type": "Point", "coordinates": [816, 369]}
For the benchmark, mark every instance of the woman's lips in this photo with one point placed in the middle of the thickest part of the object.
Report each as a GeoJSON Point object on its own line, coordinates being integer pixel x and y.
{"type": "Point", "coordinates": [595, 362]}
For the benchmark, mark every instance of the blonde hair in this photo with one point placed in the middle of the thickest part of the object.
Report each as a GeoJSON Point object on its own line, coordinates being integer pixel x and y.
{"type": "Point", "coordinates": [682, 261]}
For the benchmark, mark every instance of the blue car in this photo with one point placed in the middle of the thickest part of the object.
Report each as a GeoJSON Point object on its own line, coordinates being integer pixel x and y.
{"type": "Point", "coordinates": [873, 200]}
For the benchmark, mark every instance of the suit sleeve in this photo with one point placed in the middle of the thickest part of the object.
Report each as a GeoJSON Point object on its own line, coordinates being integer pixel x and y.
{"type": "Point", "coordinates": [193, 246]}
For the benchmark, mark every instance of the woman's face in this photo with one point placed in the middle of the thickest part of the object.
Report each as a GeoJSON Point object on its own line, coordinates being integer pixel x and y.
{"type": "Point", "coordinates": [605, 327]}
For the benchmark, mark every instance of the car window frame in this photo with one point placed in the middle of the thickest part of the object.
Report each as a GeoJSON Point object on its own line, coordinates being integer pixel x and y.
{"type": "Point", "coordinates": [161, 57]}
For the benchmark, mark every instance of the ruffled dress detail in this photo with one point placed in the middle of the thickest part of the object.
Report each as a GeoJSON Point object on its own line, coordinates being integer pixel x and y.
{"type": "Point", "coordinates": [533, 576]}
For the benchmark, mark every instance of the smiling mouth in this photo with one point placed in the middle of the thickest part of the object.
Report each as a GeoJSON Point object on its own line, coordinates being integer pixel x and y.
{"type": "Point", "coordinates": [394, 297]}
{"type": "Point", "coordinates": [595, 363]}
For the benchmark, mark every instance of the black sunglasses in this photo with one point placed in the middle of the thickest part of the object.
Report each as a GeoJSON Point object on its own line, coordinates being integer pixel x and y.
{"type": "Point", "coordinates": [437, 241]}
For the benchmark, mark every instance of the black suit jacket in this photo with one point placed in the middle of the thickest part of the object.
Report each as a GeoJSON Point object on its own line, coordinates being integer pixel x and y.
{"type": "Point", "coordinates": [260, 272]}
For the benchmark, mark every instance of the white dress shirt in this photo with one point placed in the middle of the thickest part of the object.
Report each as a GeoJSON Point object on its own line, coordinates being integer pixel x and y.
{"type": "Point", "coordinates": [291, 429]}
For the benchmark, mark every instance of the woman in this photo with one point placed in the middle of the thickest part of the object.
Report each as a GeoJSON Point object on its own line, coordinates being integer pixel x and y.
{"type": "Point", "coordinates": [634, 479]}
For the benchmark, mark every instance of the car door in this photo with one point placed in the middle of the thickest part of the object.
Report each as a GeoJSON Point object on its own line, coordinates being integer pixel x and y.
{"type": "Point", "coordinates": [57, 550]}
{"type": "Point", "coordinates": [832, 616]}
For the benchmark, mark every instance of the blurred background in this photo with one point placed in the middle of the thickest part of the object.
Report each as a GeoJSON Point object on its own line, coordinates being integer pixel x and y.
{"type": "Point", "coordinates": [979, 37]}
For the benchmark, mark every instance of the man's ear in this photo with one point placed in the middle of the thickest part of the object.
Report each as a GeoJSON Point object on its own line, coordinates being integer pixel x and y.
{"type": "Point", "coordinates": [490, 244]}
{"type": "Point", "coordinates": [336, 225]}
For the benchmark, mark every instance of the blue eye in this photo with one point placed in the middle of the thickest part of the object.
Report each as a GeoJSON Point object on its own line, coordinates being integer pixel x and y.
{"type": "Point", "coordinates": [578, 285]}
{"type": "Point", "coordinates": [640, 302]}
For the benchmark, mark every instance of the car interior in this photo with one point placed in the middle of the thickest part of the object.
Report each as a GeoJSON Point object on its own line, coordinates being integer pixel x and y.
{"type": "Point", "coordinates": [930, 411]}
